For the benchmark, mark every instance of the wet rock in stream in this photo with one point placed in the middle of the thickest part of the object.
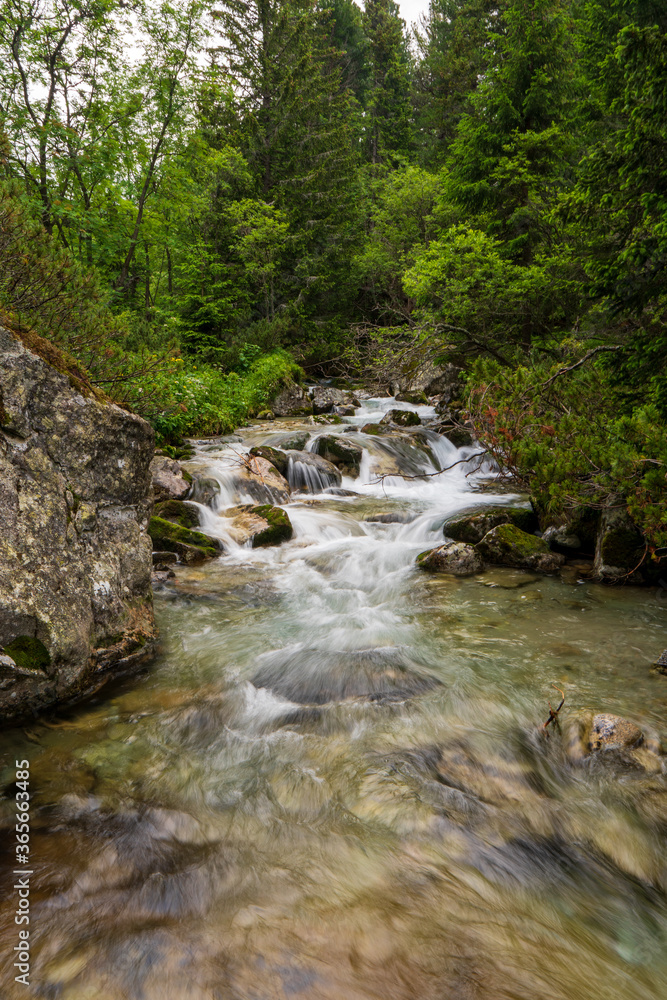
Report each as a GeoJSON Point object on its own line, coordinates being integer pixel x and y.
{"type": "Point", "coordinates": [345, 455]}
{"type": "Point", "coordinates": [315, 676]}
{"type": "Point", "coordinates": [456, 558]}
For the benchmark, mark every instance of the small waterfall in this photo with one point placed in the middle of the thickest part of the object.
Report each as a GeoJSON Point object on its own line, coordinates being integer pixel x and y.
{"type": "Point", "coordinates": [308, 476]}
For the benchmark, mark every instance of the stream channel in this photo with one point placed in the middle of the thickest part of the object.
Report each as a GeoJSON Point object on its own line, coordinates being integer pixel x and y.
{"type": "Point", "coordinates": [331, 784]}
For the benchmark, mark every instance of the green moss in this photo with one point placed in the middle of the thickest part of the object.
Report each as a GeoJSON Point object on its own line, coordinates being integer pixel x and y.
{"type": "Point", "coordinates": [168, 537]}
{"type": "Point", "coordinates": [178, 513]}
{"type": "Point", "coordinates": [343, 454]}
{"type": "Point", "coordinates": [279, 526]}
{"type": "Point", "coordinates": [276, 457]}
{"type": "Point", "coordinates": [29, 653]}
{"type": "Point", "coordinates": [403, 418]}
{"type": "Point", "coordinates": [472, 529]}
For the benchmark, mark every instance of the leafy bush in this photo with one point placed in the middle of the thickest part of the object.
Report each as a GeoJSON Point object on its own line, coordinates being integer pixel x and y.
{"type": "Point", "coordinates": [563, 435]}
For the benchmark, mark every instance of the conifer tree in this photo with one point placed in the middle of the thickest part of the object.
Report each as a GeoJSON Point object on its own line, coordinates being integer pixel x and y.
{"type": "Point", "coordinates": [390, 128]}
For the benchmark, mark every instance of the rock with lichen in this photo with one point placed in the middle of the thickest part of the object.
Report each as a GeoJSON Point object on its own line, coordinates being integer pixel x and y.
{"type": "Point", "coordinates": [455, 558]}
{"type": "Point", "coordinates": [75, 556]}
{"type": "Point", "coordinates": [507, 545]}
{"type": "Point", "coordinates": [261, 524]}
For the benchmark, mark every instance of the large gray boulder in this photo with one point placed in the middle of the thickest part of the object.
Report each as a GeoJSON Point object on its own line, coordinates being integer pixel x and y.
{"type": "Point", "coordinates": [75, 557]}
{"type": "Point", "coordinates": [325, 398]}
{"type": "Point", "coordinates": [292, 402]}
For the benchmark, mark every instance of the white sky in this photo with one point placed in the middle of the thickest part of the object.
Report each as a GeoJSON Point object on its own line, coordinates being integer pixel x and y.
{"type": "Point", "coordinates": [411, 10]}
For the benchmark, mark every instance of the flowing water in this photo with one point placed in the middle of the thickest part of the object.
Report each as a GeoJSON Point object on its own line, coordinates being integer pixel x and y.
{"type": "Point", "coordinates": [331, 783]}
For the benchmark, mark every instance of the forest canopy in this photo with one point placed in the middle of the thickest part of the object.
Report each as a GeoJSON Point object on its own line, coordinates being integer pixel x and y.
{"type": "Point", "coordinates": [198, 197]}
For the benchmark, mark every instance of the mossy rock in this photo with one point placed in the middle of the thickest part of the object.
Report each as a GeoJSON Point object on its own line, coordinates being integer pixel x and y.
{"type": "Point", "coordinates": [276, 457]}
{"type": "Point", "coordinates": [416, 398]}
{"type": "Point", "coordinates": [402, 418]}
{"type": "Point", "coordinates": [189, 545]}
{"type": "Point", "coordinates": [261, 524]}
{"type": "Point", "coordinates": [458, 436]}
{"type": "Point", "coordinates": [345, 455]}
{"type": "Point", "coordinates": [474, 527]}
{"type": "Point", "coordinates": [375, 430]}
{"type": "Point", "coordinates": [507, 545]}
{"type": "Point", "coordinates": [328, 418]}
{"type": "Point", "coordinates": [455, 558]}
{"type": "Point", "coordinates": [178, 513]}
{"type": "Point", "coordinates": [279, 526]}
{"type": "Point", "coordinates": [29, 653]}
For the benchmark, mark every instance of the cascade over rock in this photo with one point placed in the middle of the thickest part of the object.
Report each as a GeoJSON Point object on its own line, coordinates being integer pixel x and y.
{"type": "Point", "coordinates": [75, 556]}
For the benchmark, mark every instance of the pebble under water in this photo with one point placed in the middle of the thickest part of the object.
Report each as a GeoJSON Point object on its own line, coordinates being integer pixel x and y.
{"type": "Point", "coordinates": [331, 784]}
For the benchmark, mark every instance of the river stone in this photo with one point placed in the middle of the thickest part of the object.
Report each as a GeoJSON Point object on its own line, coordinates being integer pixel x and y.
{"type": "Point", "coordinates": [393, 517]}
{"type": "Point", "coordinates": [589, 734]}
{"type": "Point", "coordinates": [317, 676]}
{"type": "Point", "coordinates": [474, 527]}
{"type": "Point", "coordinates": [619, 546]}
{"type": "Point", "coordinates": [417, 398]}
{"type": "Point", "coordinates": [325, 398]}
{"type": "Point", "coordinates": [190, 546]}
{"type": "Point", "coordinates": [345, 455]}
{"type": "Point", "coordinates": [311, 473]}
{"type": "Point", "coordinates": [75, 556]}
{"type": "Point", "coordinates": [661, 663]}
{"type": "Point", "coordinates": [169, 483]}
{"type": "Point", "coordinates": [292, 402]}
{"type": "Point", "coordinates": [507, 545]}
{"type": "Point", "coordinates": [275, 456]}
{"type": "Point", "coordinates": [375, 429]}
{"type": "Point", "coordinates": [262, 525]}
{"type": "Point", "coordinates": [456, 558]}
{"type": "Point", "coordinates": [178, 512]}
{"type": "Point", "coordinates": [292, 442]}
{"type": "Point", "coordinates": [561, 538]}
{"type": "Point", "coordinates": [205, 490]}
{"type": "Point", "coordinates": [402, 418]}
{"type": "Point", "coordinates": [458, 436]}
{"type": "Point", "coordinates": [261, 480]}
{"type": "Point", "coordinates": [345, 411]}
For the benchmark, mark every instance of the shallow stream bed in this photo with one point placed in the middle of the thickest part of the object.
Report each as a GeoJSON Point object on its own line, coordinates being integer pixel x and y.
{"type": "Point", "coordinates": [331, 784]}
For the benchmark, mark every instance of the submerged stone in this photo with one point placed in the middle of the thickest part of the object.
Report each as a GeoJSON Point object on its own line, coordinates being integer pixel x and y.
{"type": "Point", "coordinates": [456, 558]}
{"type": "Point", "coordinates": [507, 545]}
{"type": "Point", "coordinates": [316, 676]}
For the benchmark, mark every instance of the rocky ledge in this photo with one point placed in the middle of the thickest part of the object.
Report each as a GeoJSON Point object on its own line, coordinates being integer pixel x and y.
{"type": "Point", "coordinates": [75, 556]}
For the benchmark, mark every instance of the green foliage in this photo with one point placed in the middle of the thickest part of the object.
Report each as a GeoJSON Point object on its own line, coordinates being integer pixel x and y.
{"type": "Point", "coordinates": [200, 400]}
{"type": "Point", "coordinates": [562, 435]}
